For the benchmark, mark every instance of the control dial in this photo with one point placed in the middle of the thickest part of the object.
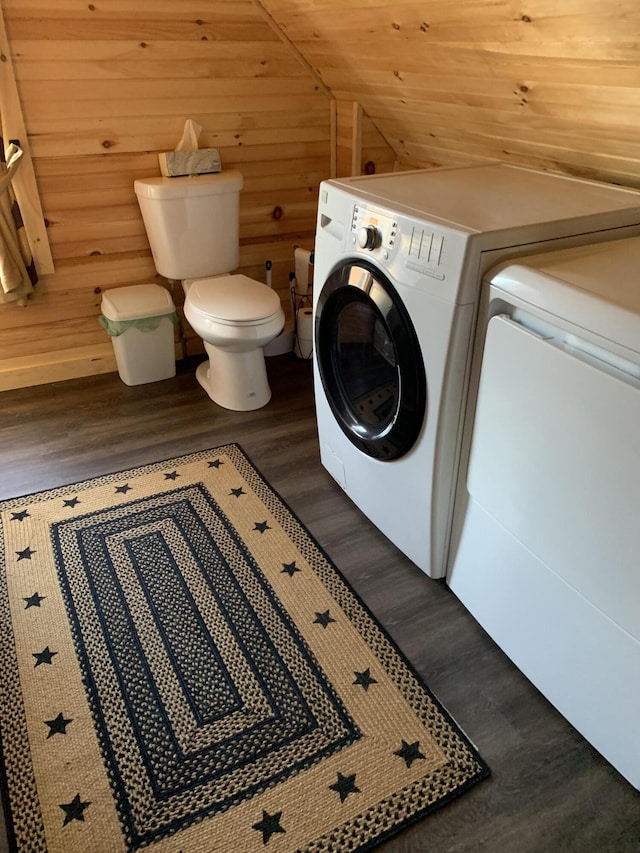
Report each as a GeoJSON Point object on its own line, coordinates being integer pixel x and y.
{"type": "Point", "coordinates": [368, 237]}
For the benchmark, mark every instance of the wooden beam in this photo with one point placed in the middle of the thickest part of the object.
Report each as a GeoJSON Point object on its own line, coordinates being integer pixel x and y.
{"type": "Point", "coordinates": [334, 139]}
{"type": "Point", "coordinates": [348, 138]}
{"type": "Point", "coordinates": [293, 49]}
{"type": "Point", "coordinates": [356, 139]}
{"type": "Point", "coordinates": [24, 184]}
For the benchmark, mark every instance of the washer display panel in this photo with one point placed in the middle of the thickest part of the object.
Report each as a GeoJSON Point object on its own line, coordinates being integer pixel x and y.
{"type": "Point", "coordinates": [370, 361]}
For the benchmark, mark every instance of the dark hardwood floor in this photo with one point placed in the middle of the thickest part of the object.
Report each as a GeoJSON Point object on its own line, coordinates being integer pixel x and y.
{"type": "Point", "coordinates": [549, 790]}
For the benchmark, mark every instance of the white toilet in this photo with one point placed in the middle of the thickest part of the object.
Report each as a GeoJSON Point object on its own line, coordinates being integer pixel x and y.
{"type": "Point", "coordinates": [193, 228]}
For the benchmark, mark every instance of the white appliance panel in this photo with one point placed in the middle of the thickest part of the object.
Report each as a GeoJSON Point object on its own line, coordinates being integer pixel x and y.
{"type": "Point", "coordinates": [498, 197]}
{"type": "Point", "coordinates": [545, 533]}
{"type": "Point", "coordinates": [432, 229]}
{"type": "Point", "coordinates": [555, 437]}
{"type": "Point", "coordinates": [530, 612]}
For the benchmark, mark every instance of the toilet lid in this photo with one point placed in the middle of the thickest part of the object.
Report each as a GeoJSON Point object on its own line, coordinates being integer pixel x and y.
{"type": "Point", "coordinates": [233, 298]}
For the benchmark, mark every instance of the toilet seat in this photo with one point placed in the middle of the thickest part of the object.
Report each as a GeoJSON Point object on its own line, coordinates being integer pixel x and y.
{"type": "Point", "coordinates": [234, 300]}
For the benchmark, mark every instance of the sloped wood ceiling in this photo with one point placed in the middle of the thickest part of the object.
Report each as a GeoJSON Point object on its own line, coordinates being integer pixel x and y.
{"type": "Point", "coordinates": [553, 84]}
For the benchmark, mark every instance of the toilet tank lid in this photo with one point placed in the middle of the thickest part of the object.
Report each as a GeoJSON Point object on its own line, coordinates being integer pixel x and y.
{"type": "Point", "coordinates": [189, 185]}
{"type": "Point", "coordinates": [136, 301]}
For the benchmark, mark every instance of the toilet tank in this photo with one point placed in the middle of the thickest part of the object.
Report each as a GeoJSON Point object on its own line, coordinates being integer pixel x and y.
{"type": "Point", "coordinates": [192, 223]}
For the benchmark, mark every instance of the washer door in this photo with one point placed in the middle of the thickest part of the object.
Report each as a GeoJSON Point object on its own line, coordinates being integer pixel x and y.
{"type": "Point", "coordinates": [370, 361]}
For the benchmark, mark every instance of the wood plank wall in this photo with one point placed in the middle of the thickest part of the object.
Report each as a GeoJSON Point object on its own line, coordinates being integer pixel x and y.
{"type": "Point", "coordinates": [553, 84]}
{"type": "Point", "coordinates": [106, 85]}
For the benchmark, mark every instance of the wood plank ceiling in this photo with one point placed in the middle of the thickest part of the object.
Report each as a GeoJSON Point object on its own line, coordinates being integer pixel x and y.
{"type": "Point", "coordinates": [548, 84]}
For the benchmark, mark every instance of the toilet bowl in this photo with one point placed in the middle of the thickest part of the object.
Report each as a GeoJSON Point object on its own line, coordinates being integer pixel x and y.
{"type": "Point", "coordinates": [192, 223]}
{"type": "Point", "coordinates": [235, 316]}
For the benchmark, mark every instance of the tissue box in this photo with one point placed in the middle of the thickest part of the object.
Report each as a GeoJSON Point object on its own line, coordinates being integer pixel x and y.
{"type": "Point", "coordinates": [200, 162]}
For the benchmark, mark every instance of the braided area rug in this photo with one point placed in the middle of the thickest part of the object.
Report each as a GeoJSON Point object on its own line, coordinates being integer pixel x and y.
{"type": "Point", "coordinates": [185, 671]}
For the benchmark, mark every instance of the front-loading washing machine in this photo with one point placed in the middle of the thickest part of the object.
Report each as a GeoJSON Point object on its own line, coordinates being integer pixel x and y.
{"type": "Point", "coordinates": [398, 264]}
{"type": "Point", "coordinates": [545, 543]}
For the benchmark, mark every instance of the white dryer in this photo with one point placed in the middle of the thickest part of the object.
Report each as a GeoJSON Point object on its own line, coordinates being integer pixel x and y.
{"type": "Point", "coordinates": [398, 265]}
{"type": "Point", "coordinates": [546, 536]}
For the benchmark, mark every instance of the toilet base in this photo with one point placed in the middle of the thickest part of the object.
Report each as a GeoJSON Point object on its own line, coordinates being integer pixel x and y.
{"type": "Point", "coordinates": [235, 380]}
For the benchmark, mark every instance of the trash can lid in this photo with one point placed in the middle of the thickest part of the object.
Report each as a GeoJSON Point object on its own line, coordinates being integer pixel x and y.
{"type": "Point", "coordinates": [186, 186]}
{"type": "Point", "coordinates": [138, 300]}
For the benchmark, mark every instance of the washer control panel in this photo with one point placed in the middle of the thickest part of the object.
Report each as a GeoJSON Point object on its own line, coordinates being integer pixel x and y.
{"type": "Point", "coordinates": [399, 241]}
{"type": "Point", "coordinates": [372, 230]}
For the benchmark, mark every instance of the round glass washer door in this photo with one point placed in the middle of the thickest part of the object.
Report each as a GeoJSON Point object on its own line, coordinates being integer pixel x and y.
{"type": "Point", "coordinates": [369, 360]}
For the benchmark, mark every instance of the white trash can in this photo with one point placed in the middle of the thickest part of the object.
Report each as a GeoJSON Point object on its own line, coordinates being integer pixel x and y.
{"type": "Point", "coordinates": [140, 321]}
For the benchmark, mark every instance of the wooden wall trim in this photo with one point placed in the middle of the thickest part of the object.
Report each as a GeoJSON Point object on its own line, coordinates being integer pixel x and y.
{"type": "Point", "coordinates": [24, 183]}
{"type": "Point", "coordinates": [357, 146]}
{"type": "Point", "coordinates": [40, 369]}
{"type": "Point", "coordinates": [293, 49]}
{"type": "Point", "coordinates": [356, 139]}
{"type": "Point", "coordinates": [334, 138]}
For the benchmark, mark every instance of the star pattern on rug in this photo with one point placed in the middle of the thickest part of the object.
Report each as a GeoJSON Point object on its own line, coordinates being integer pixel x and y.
{"type": "Point", "coordinates": [323, 618]}
{"type": "Point", "coordinates": [45, 656]}
{"type": "Point", "coordinates": [34, 600]}
{"type": "Point", "coordinates": [364, 678]}
{"type": "Point", "coordinates": [339, 726]}
{"type": "Point", "coordinates": [57, 726]}
{"type": "Point", "coordinates": [290, 569]}
{"type": "Point", "coordinates": [74, 810]}
{"type": "Point", "coordinates": [409, 752]}
{"type": "Point", "coordinates": [269, 825]}
{"type": "Point", "coordinates": [20, 516]}
{"type": "Point", "coordinates": [345, 785]}
{"type": "Point", "coordinates": [26, 554]}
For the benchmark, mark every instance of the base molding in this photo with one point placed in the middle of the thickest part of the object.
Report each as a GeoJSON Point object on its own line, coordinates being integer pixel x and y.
{"type": "Point", "coordinates": [43, 368]}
